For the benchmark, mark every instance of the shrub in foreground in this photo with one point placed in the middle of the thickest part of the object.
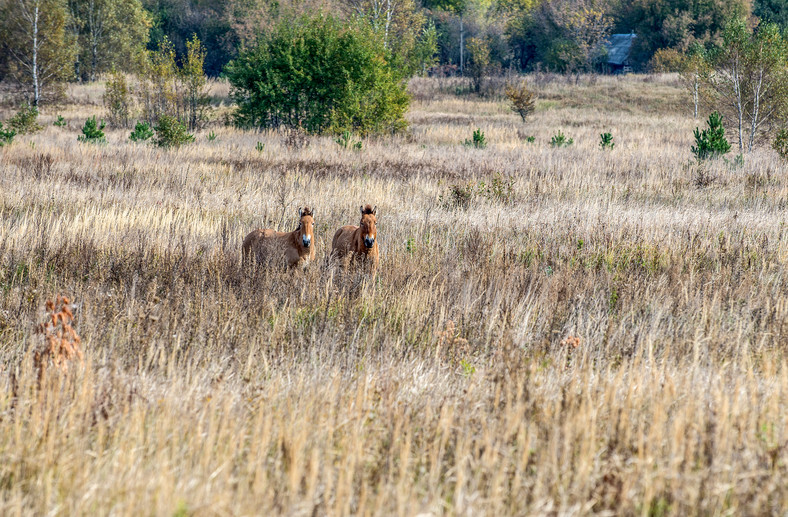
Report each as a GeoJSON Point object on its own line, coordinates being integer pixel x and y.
{"type": "Point", "coordinates": [142, 132]}
{"type": "Point", "coordinates": [171, 132]}
{"type": "Point", "coordinates": [711, 142]}
{"type": "Point", "coordinates": [92, 131]}
{"type": "Point", "coordinates": [6, 135]}
{"type": "Point", "coordinates": [25, 121]}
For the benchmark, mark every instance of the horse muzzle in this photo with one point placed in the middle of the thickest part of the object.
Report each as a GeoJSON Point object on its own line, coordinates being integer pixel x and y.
{"type": "Point", "coordinates": [369, 242]}
{"type": "Point", "coordinates": [307, 241]}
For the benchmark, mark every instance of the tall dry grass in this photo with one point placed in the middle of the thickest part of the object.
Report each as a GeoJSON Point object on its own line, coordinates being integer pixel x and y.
{"type": "Point", "coordinates": [610, 340]}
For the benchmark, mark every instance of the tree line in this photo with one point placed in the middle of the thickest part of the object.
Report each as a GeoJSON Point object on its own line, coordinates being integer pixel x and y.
{"type": "Point", "coordinates": [81, 39]}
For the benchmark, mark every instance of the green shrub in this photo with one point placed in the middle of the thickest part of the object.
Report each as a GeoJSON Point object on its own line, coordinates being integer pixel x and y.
{"type": "Point", "coordinates": [211, 136]}
{"type": "Point", "coordinates": [560, 140]}
{"type": "Point", "coordinates": [92, 132]}
{"type": "Point", "coordinates": [171, 132]}
{"type": "Point", "coordinates": [711, 142]}
{"type": "Point", "coordinates": [322, 74]}
{"type": "Point", "coordinates": [780, 143]}
{"type": "Point", "coordinates": [6, 135]}
{"type": "Point", "coordinates": [142, 132]}
{"type": "Point", "coordinates": [606, 141]}
{"type": "Point", "coordinates": [345, 141]}
{"type": "Point", "coordinates": [25, 121]}
{"type": "Point", "coordinates": [497, 190]}
{"type": "Point", "coordinates": [117, 99]}
{"type": "Point", "coordinates": [523, 101]}
{"type": "Point", "coordinates": [478, 141]}
{"type": "Point", "coordinates": [60, 122]}
{"type": "Point", "coordinates": [260, 147]}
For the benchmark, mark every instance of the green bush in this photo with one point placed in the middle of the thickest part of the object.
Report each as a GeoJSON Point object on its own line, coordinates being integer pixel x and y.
{"type": "Point", "coordinates": [6, 135]}
{"type": "Point", "coordinates": [322, 74]}
{"type": "Point", "coordinates": [478, 141]}
{"type": "Point", "coordinates": [92, 131]}
{"type": "Point", "coordinates": [498, 189]}
{"type": "Point", "coordinates": [60, 122]}
{"type": "Point", "coordinates": [345, 141]}
{"type": "Point", "coordinates": [117, 99]}
{"type": "Point", "coordinates": [780, 143]}
{"type": "Point", "coordinates": [606, 141]}
{"type": "Point", "coordinates": [560, 140]}
{"type": "Point", "coordinates": [25, 121]}
{"type": "Point", "coordinates": [711, 142]}
{"type": "Point", "coordinates": [171, 132]}
{"type": "Point", "coordinates": [142, 132]}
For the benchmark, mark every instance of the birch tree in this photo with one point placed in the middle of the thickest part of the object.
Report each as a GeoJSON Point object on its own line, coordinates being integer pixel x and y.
{"type": "Point", "coordinates": [39, 46]}
{"type": "Point", "coordinates": [694, 67]}
{"type": "Point", "coordinates": [108, 32]}
{"type": "Point", "coordinates": [748, 76]}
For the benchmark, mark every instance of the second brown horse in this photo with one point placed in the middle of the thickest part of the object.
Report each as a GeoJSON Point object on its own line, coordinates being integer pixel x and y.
{"type": "Point", "coordinates": [294, 248]}
{"type": "Point", "coordinates": [359, 242]}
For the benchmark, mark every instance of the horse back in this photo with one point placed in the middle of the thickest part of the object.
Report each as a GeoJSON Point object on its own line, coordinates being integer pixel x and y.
{"type": "Point", "coordinates": [342, 242]}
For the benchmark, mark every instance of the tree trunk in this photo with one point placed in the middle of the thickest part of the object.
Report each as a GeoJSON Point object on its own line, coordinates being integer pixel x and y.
{"type": "Point", "coordinates": [756, 109]}
{"type": "Point", "coordinates": [696, 95]}
{"type": "Point", "coordinates": [388, 24]}
{"type": "Point", "coordinates": [462, 44]}
{"type": "Point", "coordinates": [36, 86]}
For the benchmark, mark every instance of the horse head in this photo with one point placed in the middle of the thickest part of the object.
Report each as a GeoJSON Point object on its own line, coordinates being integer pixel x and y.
{"type": "Point", "coordinates": [306, 226]}
{"type": "Point", "coordinates": [368, 221]}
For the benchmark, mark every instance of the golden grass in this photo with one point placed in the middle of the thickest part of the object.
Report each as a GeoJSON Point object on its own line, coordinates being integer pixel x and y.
{"type": "Point", "coordinates": [609, 342]}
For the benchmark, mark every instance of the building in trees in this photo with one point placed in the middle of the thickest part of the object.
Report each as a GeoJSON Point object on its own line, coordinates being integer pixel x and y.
{"type": "Point", "coordinates": [619, 52]}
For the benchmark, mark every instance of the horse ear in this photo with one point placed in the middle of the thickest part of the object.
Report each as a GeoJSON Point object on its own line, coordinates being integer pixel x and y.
{"type": "Point", "coordinates": [374, 209]}
{"type": "Point", "coordinates": [362, 209]}
{"type": "Point", "coordinates": [299, 211]}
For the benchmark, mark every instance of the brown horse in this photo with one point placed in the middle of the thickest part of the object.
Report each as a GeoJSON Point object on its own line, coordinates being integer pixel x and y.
{"type": "Point", "coordinates": [359, 242]}
{"type": "Point", "coordinates": [294, 248]}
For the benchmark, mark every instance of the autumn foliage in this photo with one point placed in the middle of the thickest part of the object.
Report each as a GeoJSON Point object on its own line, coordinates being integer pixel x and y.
{"type": "Point", "coordinates": [61, 342]}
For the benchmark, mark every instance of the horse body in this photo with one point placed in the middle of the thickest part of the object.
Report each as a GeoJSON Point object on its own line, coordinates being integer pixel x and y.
{"type": "Point", "coordinates": [358, 242]}
{"type": "Point", "coordinates": [294, 248]}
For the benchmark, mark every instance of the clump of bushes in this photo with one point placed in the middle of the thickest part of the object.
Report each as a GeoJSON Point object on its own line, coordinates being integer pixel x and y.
{"type": "Point", "coordinates": [560, 140]}
{"type": "Point", "coordinates": [606, 141]}
{"type": "Point", "coordinates": [117, 99]}
{"type": "Point", "coordinates": [498, 189]}
{"type": "Point", "coordinates": [142, 132]}
{"type": "Point", "coordinates": [25, 121]}
{"type": "Point", "coordinates": [92, 132]}
{"type": "Point", "coordinates": [171, 132]}
{"type": "Point", "coordinates": [522, 100]}
{"type": "Point", "coordinates": [351, 82]}
{"type": "Point", "coordinates": [780, 143]}
{"type": "Point", "coordinates": [345, 141]}
{"type": "Point", "coordinates": [478, 140]}
{"type": "Point", "coordinates": [60, 122]}
{"type": "Point", "coordinates": [6, 135]}
{"type": "Point", "coordinates": [711, 142]}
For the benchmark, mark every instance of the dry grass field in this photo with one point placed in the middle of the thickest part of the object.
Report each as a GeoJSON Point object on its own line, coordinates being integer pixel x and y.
{"type": "Point", "coordinates": [591, 332]}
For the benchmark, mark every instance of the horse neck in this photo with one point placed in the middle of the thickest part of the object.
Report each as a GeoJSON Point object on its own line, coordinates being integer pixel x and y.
{"type": "Point", "coordinates": [293, 238]}
{"type": "Point", "coordinates": [358, 240]}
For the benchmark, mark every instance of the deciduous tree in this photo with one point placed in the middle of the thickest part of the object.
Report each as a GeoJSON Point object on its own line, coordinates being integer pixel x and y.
{"type": "Point", "coordinates": [41, 51]}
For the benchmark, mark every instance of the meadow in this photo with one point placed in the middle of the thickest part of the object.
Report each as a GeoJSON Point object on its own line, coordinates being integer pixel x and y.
{"type": "Point", "coordinates": [552, 331]}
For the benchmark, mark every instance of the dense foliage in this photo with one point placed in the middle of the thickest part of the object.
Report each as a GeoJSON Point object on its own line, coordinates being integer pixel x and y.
{"type": "Point", "coordinates": [320, 74]}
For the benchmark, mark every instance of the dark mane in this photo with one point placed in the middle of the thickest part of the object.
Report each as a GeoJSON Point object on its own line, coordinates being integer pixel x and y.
{"type": "Point", "coordinates": [367, 209]}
